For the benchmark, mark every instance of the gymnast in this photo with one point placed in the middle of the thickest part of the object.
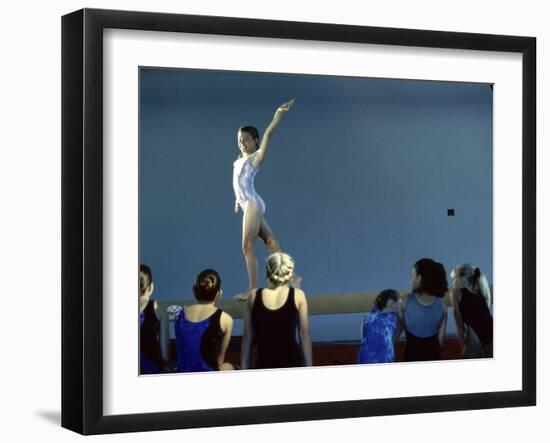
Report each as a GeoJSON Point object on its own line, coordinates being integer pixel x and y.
{"type": "Point", "coordinates": [252, 154]}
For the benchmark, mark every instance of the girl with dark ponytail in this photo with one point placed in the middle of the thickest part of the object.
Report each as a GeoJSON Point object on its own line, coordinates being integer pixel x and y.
{"type": "Point", "coordinates": [424, 313]}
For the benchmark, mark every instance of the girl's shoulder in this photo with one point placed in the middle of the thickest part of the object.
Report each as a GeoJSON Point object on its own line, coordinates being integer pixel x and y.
{"type": "Point", "coordinates": [224, 316]}
{"type": "Point", "coordinates": [369, 317]}
{"type": "Point", "coordinates": [380, 321]}
{"type": "Point", "coordinates": [299, 297]}
{"type": "Point", "coordinates": [226, 321]}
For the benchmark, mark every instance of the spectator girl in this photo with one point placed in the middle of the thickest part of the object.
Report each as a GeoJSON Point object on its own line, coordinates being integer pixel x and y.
{"type": "Point", "coordinates": [153, 328]}
{"type": "Point", "coordinates": [273, 319]}
{"type": "Point", "coordinates": [202, 329]}
{"type": "Point", "coordinates": [424, 312]}
{"type": "Point", "coordinates": [471, 301]}
{"type": "Point", "coordinates": [380, 329]}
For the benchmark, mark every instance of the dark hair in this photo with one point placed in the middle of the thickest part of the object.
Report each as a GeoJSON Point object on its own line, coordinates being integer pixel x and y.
{"type": "Point", "coordinates": [145, 277]}
{"type": "Point", "coordinates": [254, 133]}
{"type": "Point", "coordinates": [207, 285]}
{"type": "Point", "coordinates": [386, 295]}
{"type": "Point", "coordinates": [433, 278]}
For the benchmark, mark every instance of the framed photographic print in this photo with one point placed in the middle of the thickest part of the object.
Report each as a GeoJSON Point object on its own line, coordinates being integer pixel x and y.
{"type": "Point", "coordinates": [293, 205]}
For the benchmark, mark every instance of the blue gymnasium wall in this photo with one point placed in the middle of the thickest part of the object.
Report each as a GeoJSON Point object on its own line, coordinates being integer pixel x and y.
{"type": "Point", "coordinates": [357, 182]}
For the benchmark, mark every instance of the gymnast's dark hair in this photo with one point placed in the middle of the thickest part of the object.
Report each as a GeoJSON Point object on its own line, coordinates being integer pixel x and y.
{"type": "Point", "coordinates": [254, 133]}
{"type": "Point", "coordinates": [385, 296]}
{"type": "Point", "coordinates": [145, 278]}
{"type": "Point", "coordinates": [207, 285]}
{"type": "Point", "coordinates": [433, 277]}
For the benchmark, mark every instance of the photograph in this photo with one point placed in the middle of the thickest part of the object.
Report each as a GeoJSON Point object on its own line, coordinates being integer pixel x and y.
{"type": "Point", "coordinates": [333, 216]}
{"type": "Point", "coordinates": [293, 220]}
{"type": "Point", "coordinates": [304, 210]}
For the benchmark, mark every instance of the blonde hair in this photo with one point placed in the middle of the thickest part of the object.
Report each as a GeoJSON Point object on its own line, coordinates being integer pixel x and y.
{"type": "Point", "coordinates": [475, 280]}
{"type": "Point", "coordinates": [279, 268]}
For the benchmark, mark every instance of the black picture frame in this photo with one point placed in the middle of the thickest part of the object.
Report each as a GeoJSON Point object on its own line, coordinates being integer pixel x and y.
{"type": "Point", "coordinates": [82, 220]}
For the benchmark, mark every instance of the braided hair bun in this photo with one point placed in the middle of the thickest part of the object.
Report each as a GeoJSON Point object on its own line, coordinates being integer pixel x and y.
{"type": "Point", "coordinates": [279, 268]}
{"type": "Point", "coordinates": [207, 285]}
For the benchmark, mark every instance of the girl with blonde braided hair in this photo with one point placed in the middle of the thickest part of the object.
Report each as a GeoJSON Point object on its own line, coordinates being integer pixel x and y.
{"type": "Point", "coordinates": [279, 268]}
{"type": "Point", "coordinates": [272, 318]}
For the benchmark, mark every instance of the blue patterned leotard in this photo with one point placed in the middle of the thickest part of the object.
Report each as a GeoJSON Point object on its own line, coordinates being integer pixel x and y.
{"type": "Point", "coordinates": [243, 183]}
{"type": "Point", "coordinates": [378, 331]}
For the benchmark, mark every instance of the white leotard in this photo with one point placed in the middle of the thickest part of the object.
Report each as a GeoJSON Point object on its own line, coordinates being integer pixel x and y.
{"type": "Point", "coordinates": [243, 183]}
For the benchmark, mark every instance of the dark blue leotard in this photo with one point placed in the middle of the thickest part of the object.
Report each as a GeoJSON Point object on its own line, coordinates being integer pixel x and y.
{"type": "Point", "coordinates": [198, 343]}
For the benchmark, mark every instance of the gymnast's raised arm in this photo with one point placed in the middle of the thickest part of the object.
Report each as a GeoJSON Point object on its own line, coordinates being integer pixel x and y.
{"type": "Point", "coordinates": [259, 155]}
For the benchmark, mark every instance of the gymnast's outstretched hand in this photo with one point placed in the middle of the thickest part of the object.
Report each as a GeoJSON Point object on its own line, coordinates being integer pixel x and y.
{"type": "Point", "coordinates": [285, 107]}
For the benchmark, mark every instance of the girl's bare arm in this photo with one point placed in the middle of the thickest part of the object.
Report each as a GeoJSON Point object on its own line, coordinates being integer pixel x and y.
{"type": "Point", "coordinates": [303, 321]}
{"type": "Point", "coordinates": [226, 325]}
{"type": "Point", "coordinates": [259, 155]}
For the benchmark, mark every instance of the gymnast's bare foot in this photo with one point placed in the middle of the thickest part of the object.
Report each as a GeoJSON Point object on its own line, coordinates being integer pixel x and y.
{"type": "Point", "coordinates": [295, 281]}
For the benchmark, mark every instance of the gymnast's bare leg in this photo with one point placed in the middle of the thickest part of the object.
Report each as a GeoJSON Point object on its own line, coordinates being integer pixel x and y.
{"type": "Point", "coordinates": [252, 221]}
{"type": "Point", "coordinates": [254, 226]}
{"type": "Point", "coordinates": [272, 245]}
